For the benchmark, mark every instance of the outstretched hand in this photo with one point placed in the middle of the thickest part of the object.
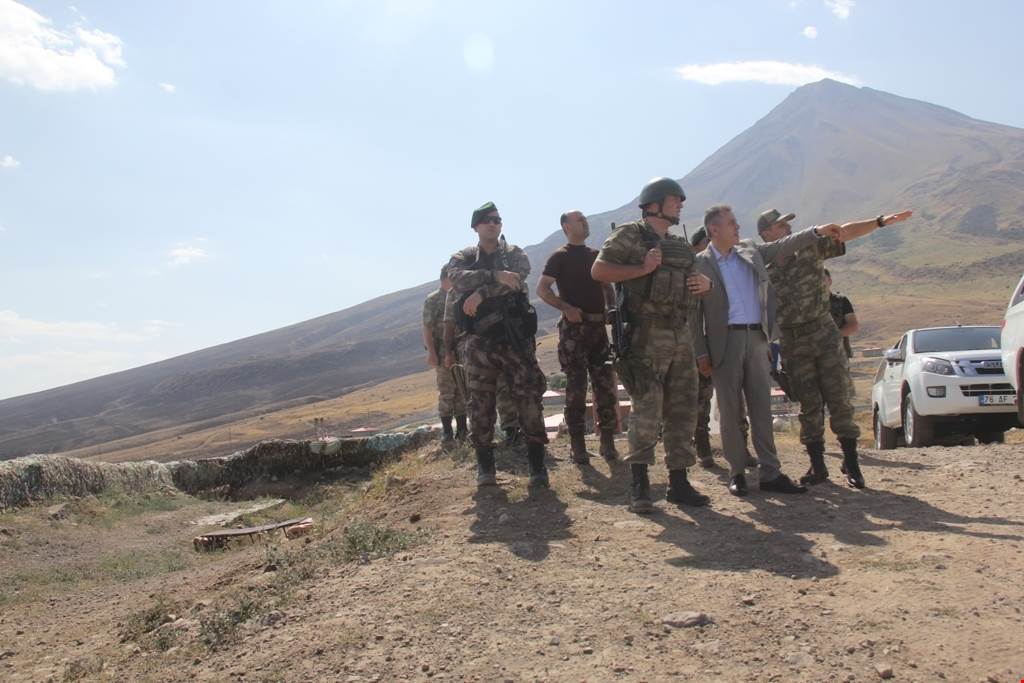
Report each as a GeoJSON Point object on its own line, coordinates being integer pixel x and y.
{"type": "Point", "coordinates": [831, 230]}
{"type": "Point", "coordinates": [897, 217]}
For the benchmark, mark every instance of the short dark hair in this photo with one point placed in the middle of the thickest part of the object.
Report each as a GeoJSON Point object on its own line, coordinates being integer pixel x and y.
{"type": "Point", "coordinates": [712, 214]}
{"type": "Point", "coordinates": [564, 218]}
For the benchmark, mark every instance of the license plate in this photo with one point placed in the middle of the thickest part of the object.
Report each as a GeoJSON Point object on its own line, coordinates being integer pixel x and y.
{"type": "Point", "coordinates": [998, 400]}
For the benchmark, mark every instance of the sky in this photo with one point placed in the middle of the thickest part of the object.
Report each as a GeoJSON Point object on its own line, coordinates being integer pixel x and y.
{"type": "Point", "coordinates": [183, 174]}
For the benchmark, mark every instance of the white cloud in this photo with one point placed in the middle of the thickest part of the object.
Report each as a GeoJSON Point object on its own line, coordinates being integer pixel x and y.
{"type": "Point", "coordinates": [478, 52]}
{"type": "Point", "coordinates": [810, 32]}
{"type": "Point", "coordinates": [183, 253]}
{"type": "Point", "coordinates": [34, 53]}
{"type": "Point", "coordinates": [7, 161]}
{"type": "Point", "coordinates": [13, 327]}
{"type": "Point", "coordinates": [774, 73]}
{"type": "Point", "coordinates": [168, 88]}
{"type": "Point", "coordinates": [840, 8]}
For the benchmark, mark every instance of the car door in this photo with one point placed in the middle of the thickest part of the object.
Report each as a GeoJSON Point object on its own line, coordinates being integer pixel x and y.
{"type": "Point", "coordinates": [892, 382]}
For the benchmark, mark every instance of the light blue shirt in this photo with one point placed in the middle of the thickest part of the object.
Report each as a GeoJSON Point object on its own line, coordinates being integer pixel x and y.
{"type": "Point", "coordinates": [740, 287]}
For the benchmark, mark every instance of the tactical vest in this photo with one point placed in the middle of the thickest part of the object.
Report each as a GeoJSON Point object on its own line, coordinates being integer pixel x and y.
{"type": "Point", "coordinates": [508, 318]}
{"type": "Point", "coordinates": [661, 298]}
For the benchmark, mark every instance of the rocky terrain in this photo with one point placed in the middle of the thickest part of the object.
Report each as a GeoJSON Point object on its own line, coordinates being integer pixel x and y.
{"type": "Point", "coordinates": [415, 575]}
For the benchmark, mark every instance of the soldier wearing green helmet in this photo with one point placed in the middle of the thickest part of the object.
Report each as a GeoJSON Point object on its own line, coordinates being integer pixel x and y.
{"type": "Point", "coordinates": [656, 284]}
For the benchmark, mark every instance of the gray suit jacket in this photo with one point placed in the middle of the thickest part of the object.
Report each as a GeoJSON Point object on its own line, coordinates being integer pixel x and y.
{"type": "Point", "coordinates": [711, 336]}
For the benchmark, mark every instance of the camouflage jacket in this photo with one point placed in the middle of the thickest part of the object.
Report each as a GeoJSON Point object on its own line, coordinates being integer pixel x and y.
{"type": "Point", "coordinates": [433, 317]}
{"type": "Point", "coordinates": [473, 270]}
{"type": "Point", "coordinates": [663, 293]}
{"type": "Point", "coordinates": [800, 289]}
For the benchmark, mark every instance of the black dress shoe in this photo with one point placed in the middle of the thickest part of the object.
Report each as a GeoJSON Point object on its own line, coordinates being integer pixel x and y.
{"type": "Point", "coordinates": [782, 484]}
{"type": "Point", "coordinates": [738, 485]}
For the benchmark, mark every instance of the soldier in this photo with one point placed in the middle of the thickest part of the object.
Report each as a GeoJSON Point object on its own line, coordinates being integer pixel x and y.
{"type": "Point", "coordinates": [705, 392]}
{"type": "Point", "coordinates": [494, 311]}
{"type": "Point", "coordinates": [810, 343]}
{"type": "Point", "coordinates": [582, 337]}
{"type": "Point", "coordinates": [654, 270]}
{"type": "Point", "coordinates": [845, 319]}
{"type": "Point", "coordinates": [450, 400]}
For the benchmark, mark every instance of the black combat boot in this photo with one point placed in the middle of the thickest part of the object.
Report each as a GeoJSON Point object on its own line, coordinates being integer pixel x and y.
{"type": "Point", "coordinates": [608, 450]}
{"type": "Point", "coordinates": [851, 468]}
{"type": "Point", "coordinates": [580, 456]}
{"type": "Point", "coordinates": [485, 474]}
{"type": "Point", "coordinates": [818, 472]}
{"type": "Point", "coordinates": [511, 436]}
{"type": "Point", "coordinates": [702, 440]}
{"type": "Point", "coordinates": [538, 472]}
{"type": "Point", "coordinates": [461, 429]}
{"type": "Point", "coordinates": [446, 427]}
{"type": "Point", "coordinates": [640, 491]}
{"type": "Point", "coordinates": [681, 492]}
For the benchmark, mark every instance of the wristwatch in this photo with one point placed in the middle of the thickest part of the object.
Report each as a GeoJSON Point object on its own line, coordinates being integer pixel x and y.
{"type": "Point", "coordinates": [880, 220]}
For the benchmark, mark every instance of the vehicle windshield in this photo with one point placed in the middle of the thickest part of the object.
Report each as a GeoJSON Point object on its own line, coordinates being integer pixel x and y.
{"type": "Point", "coordinates": [956, 339]}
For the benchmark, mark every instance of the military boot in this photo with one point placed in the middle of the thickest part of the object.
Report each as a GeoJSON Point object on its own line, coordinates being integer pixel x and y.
{"type": "Point", "coordinates": [818, 472]}
{"type": "Point", "coordinates": [447, 436]}
{"type": "Point", "coordinates": [851, 468]}
{"type": "Point", "coordinates": [681, 492]}
{"type": "Point", "coordinates": [485, 474]}
{"type": "Point", "coordinates": [580, 456]}
{"type": "Point", "coordinates": [608, 450]}
{"type": "Point", "coordinates": [640, 491]}
{"type": "Point", "coordinates": [461, 429]}
{"type": "Point", "coordinates": [702, 440]}
{"type": "Point", "coordinates": [538, 472]}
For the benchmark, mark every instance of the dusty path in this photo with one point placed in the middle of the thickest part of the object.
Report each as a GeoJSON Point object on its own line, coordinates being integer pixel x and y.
{"type": "Point", "coordinates": [917, 578]}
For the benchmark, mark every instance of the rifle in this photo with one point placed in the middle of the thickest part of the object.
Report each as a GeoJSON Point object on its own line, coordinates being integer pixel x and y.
{"type": "Point", "coordinates": [459, 375]}
{"type": "Point", "coordinates": [514, 334]}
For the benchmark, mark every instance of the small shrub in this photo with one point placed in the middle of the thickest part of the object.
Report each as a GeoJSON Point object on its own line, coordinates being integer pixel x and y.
{"type": "Point", "coordinates": [218, 627]}
{"type": "Point", "coordinates": [362, 541]}
{"type": "Point", "coordinates": [149, 619]}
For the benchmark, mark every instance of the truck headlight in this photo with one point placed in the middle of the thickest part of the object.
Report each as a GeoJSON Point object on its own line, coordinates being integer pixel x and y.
{"type": "Point", "coordinates": [937, 366]}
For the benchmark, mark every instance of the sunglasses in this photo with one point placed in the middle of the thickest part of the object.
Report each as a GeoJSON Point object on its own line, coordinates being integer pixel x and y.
{"type": "Point", "coordinates": [496, 220]}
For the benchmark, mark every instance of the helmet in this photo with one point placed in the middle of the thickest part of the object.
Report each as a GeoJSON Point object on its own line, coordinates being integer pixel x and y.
{"type": "Point", "coordinates": [657, 189]}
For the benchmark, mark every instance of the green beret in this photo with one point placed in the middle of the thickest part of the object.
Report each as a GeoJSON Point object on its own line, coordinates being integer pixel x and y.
{"type": "Point", "coordinates": [481, 213]}
{"type": "Point", "coordinates": [698, 237]}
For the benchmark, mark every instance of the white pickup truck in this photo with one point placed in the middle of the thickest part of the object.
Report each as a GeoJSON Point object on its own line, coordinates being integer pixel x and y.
{"type": "Point", "coordinates": [1013, 345]}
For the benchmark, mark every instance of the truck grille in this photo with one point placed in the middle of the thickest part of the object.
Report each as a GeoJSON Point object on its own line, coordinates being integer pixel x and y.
{"type": "Point", "coordinates": [982, 389]}
{"type": "Point", "coordinates": [986, 366]}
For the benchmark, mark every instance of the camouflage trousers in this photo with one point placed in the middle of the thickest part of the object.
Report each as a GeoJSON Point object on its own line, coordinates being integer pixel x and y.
{"type": "Point", "coordinates": [583, 349]}
{"type": "Point", "coordinates": [705, 391]}
{"type": "Point", "coordinates": [660, 374]}
{"type": "Point", "coordinates": [507, 415]}
{"type": "Point", "coordinates": [450, 400]}
{"type": "Point", "coordinates": [818, 372]}
{"type": "Point", "coordinates": [488, 361]}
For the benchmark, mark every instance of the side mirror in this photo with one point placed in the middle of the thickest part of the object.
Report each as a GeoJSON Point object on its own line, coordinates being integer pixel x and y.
{"type": "Point", "coordinates": [894, 356]}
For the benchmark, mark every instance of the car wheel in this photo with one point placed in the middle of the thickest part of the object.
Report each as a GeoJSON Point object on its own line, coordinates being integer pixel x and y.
{"type": "Point", "coordinates": [885, 437]}
{"type": "Point", "coordinates": [991, 437]}
{"type": "Point", "coordinates": [917, 429]}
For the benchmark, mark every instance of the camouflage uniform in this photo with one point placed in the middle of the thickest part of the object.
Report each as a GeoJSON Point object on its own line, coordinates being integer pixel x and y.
{"type": "Point", "coordinates": [659, 370]}
{"type": "Point", "coordinates": [487, 360]}
{"type": "Point", "coordinates": [450, 401]}
{"type": "Point", "coordinates": [583, 348]}
{"type": "Point", "coordinates": [840, 307]}
{"type": "Point", "coordinates": [811, 347]}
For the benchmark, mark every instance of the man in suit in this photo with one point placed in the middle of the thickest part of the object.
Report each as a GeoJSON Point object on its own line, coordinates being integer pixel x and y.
{"type": "Point", "coordinates": [738, 316]}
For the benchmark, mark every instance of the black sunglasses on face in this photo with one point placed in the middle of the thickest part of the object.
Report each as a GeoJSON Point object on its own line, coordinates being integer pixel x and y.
{"type": "Point", "coordinates": [492, 219]}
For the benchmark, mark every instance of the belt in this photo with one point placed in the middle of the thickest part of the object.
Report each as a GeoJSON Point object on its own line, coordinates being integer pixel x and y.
{"type": "Point", "coordinates": [753, 326]}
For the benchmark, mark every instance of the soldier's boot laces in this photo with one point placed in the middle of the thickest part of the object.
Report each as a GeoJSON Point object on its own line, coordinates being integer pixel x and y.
{"type": "Point", "coordinates": [702, 441]}
{"type": "Point", "coordinates": [538, 472]}
{"type": "Point", "coordinates": [640, 491]}
{"type": "Point", "coordinates": [818, 472]}
{"type": "Point", "coordinates": [580, 456]}
{"type": "Point", "coordinates": [511, 436]}
{"type": "Point", "coordinates": [851, 467]}
{"type": "Point", "coordinates": [461, 428]}
{"type": "Point", "coordinates": [446, 429]}
{"type": "Point", "coordinates": [608, 450]}
{"type": "Point", "coordinates": [681, 492]}
{"type": "Point", "coordinates": [485, 474]}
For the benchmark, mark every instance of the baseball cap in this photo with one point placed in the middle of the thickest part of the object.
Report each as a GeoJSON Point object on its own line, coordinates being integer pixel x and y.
{"type": "Point", "coordinates": [770, 218]}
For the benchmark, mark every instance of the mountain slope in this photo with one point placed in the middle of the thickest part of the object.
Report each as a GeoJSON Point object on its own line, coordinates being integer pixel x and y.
{"type": "Point", "coordinates": [829, 152]}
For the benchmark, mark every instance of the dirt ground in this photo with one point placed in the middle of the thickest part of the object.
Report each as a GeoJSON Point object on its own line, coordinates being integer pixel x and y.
{"type": "Point", "coordinates": [916, 578]}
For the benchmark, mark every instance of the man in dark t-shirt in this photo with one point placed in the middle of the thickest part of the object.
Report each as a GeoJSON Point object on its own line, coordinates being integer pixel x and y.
{"type": "Point", "coordinates": [582, 338]}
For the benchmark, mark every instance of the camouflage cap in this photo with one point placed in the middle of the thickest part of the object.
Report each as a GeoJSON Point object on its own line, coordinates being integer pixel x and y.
{"type": "Point", "coordinates": [698, 237]}
{"type": "Point", "coordinates": [770, 218]}
{"type": "Point", "coordinates": [481, 213]}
